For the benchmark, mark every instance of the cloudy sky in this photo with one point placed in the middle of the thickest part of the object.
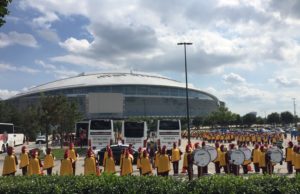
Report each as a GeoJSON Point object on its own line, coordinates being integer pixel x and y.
{"type": "Point", "coordinates": [247, 53]}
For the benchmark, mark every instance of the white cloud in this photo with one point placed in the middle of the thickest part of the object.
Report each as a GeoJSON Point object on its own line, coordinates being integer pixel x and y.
{"type": "Point", "coordinates": [14, 37]}
{"type": "Point", "coordinates": [75, 46]}
{"type": "Point", "coordinates": [286, 82]}
{"type": "Point", "coordinates": [233, 78]}
{"type": "Point", "coordinates": [5, 94]}
{"type": "Point", "coordinates": [48, 34]}
{"type": "Point", "coordinates": [8, 67]}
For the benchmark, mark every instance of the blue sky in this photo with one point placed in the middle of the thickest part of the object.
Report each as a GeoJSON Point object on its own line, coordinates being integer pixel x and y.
{"type": "Point", "coordinates": [247, 53]}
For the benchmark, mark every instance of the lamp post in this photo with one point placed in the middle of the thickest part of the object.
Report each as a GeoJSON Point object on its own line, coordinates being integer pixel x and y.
{"type": "Point", "coordinates": [294, 103]}
{"type": "Point", "coordinates": [186, 90]}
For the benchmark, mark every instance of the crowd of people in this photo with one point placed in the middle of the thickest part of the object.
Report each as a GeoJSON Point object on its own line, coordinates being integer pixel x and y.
{"type": "Point", "coordinates": [31, 164]}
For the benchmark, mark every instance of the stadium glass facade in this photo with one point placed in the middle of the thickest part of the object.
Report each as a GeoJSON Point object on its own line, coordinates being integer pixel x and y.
{"type": "Point", "coordinates": [138, 100]}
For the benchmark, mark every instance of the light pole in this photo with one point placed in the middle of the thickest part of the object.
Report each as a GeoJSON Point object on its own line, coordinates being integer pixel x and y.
{"type": "Point", "coordinates": [186, 90]}
{"type": "Point", "coordinates": [294, 103]}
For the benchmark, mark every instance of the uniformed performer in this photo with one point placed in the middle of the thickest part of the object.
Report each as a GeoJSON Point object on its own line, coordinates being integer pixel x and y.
{"type": "Point", "coordinates": [217, 160]}
{"type": "Point", "coordinates": [146, 164]}
{"type": "Point", "coordinates": [262, 159]}
{"type": "Point", "coordinates": [138, 161]}
{"type": "Point", "coordinates": [297, 160]}
{"type": "Point", "coordinates": [185, 162]}
{"type": "Point", "coordinates": [90, 163]}
{"type": "Point", "coordinates": [202, 169]}
{"type": "Point", "coordinates": [106, 153]}
{"type": "Point", "coordinates": [224, 159]}
{"type": "Point", "coordinates": [235, 169]}
{"type": "Point", "coordinates": [164, 163]}
{"type": "Point", "coordinates": [73, 155]}
{"type": "Point", "coordinates": [289, 157]}
{"type": "Point", "coordinates": [255, 158]}
{"type": "Point", "coordinates": [175, 158]}
{"type": "Point", "coordinates": [10, 163]}
{"type": "Point", "coordinates": [109, 163]}
{"type": "Point", "coordinates": [126, 168]}
{"type": "Point", "coordinates": [24, 161]}
{"type": "Point", "coordinates": [66, 167]}
{"type": "Point", "coordinates": [35, 164]}
{"type": "Point", "coordinates": [246, 164]}
{"type": "Point", "coordinates": [156, 158]}
{"type": "Point", "coordinates": [49, 161]}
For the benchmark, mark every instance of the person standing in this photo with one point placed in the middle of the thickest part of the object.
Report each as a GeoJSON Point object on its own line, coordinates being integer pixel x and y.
{"type": "Point", "coordinates": [185, 161]}
{"type": "Point", "coordinates": [297, 160]}
{"type": "Point", "coordinates": [255, 158]}
{"type": "Point", "coordinates": [35, 164]}
{"type": "Point", "coordinates": [66, 167]}
{"type": "Point", "coordinates": [164, 163]}
{"type": "Point", "coordinates": [246, 163]}
{"type": "Point", "coordinates": [90, 163]}
{"type": "Point", "coordinates": [224, 161]}
{"type": "Point", "coordinates": [262, 159]}
{"type": "Point", "coordinates": [126, 168]}
{"type": "Point", "coordinates": [289, 157]}
{"type": "Point", "coordinates": [138, 161]}
{"type": "Point", "coordinates": [24, 161]}
{"type": "Point", "coordinates": [49, 162]}
{"type": "Point", "coordinates": [109, 163]}
{"type": "Point", "coordinates": [217, 160]}
{"type": "Point", "coordinates": [146, 164]}
{"type": "Point", "coordinates": [10, 163]}
{"type": "Point", "coordinates": [156, 159]}
{"type": "Point", "coordinates": [175, 158]}
{"type": "Point", "coordinates": [73, 155]}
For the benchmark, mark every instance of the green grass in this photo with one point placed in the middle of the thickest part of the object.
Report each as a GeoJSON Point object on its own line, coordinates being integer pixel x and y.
{"type": "Point", "coordinates": [59, 153]}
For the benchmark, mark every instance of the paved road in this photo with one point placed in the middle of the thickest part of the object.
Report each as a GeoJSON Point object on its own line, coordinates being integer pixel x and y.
{"type": "Point", "coordinates": [279, 169]}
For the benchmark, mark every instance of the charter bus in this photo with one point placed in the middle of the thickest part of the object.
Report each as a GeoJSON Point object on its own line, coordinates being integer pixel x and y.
{"type": "Point", "coordinates": [101, 133]}
{"type": "Point", "coordinates": [82, 132]}
{"type": "Point", "coordinates": [134, 133]}
{"type": "Point", "coordinates": [8, 136]}
{"type": "Point", "coordinates": [168, 132]}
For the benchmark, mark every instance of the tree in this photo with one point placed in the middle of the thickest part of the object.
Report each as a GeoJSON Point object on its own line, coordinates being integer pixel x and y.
{"type": "Point", "coordinates": [249, 119]}
{"type": "Point", "coordinates": [197, 121]}
{"type": "Point", "coordinates": [3, 10]}
{"type": "Point", "coordinates": [287, 117]}
{"type": "Point", "coordinates": [273, 118]}
{"type": "Point", "coordinates": [222, 116]}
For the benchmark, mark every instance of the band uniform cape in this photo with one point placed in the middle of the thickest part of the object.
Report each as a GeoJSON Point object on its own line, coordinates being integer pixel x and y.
{"type": "Point", "coordinates": [90, 166]}
{"type": "Point", "coordinates": [262, 159]}
{"type": "Point", "coordinates": [66, 167]}
{"type": "Point", "coordinates": [127, 165]}
{"type": "Point", "coordinates": [255, 155]}
{"type": "Point", "coordinates": [34, 167]}
{"type": "Point", "coordinates": [164, 163]}
{"type": "Point", "coordinates": [146, 165]}
{"type": "Point", "coordinates": [73, 154]}
{"type": "Point", "coordinates": [48, 161]}
{"type": "Point", "coordinates": [109, 165]}
{"type": "Point", "coordinates": [156, 159]}
{"type": "Point", "coordinates": [24, 160]}
{"type": "Point", "coordinates": [175, 155]}
{"type": "Point", "coordinates": [9, 165]}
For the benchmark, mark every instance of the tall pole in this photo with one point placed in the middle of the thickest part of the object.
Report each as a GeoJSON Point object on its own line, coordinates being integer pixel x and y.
{"type": "Point", "coordinates": [186, 90]}
{"type": "Point", "coordinates": [295, 119]}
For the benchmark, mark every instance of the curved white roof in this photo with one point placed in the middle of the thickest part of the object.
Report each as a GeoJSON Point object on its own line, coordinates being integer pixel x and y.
{"type": "Point", "coordinates": [103, 79]}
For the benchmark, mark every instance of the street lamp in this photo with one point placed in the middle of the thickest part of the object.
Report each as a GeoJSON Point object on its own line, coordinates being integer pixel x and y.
{"type": "Point", "coordinates": [295, 119]}
{"type": "Point", "coordinates": [186, 90]}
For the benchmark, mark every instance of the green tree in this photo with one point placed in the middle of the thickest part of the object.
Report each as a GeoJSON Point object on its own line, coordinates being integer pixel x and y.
{"type": "Point", "coordinates": [273, 118]}
{"type": "Point", "coordinates": [30, 122]}
{"type": "Point", "coordinates": [3, 10]}
{"type": "Point", "coordinates": [197, 121]}
{"type": "Point", "coordinates": [222, 116]}
{"type": "Point", "coordinates": [249, 119]}
{"type": "Point", "coordinates": [287, 117]}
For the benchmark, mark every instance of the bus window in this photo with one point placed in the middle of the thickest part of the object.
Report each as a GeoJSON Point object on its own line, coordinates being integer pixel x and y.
{"type": "Point", "coordinates": [100, 125]}
{"type": "Point", "coordinates": [8, 128]}
{"type": "Point", "coordinates": [134, 129]}
{"type": "Point", "coordinates": [169, 125]}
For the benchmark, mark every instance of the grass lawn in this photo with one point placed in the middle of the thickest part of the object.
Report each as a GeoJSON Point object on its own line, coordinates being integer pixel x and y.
{"type": "Point", "coordinates": [59, 153]}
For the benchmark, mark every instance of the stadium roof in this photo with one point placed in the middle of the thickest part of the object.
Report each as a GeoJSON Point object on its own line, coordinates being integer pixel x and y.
{"type": "Point", "coordinates": [104, 79]}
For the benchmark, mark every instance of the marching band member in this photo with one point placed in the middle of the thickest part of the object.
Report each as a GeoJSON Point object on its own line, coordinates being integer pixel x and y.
{"type": "Point", "coordinates": [224, 162]}
{"type": "Point", "coordinates": [90, 163]}
{"type": "Point", "coordinates": [66, 167]}
{"type": "Point", "coordinates": [289, 157]}
{"type": "Point", "coordinates": [126, 168]}
{"type": "Point", "coordinates": [185, 161]}
{"type": "Point", "coordinates": [35, 164]}
{"type": "Point", "coordinates": [255, 158]}
{"type": "Point", "coordinates": [164, 163]}
{"type": "Point", "coordinates": [246, 163]}
{"type": "Point", "coordinates": [156, 158]}
{"type": "Point", "coordinates": [217, 160]}
{"type": "Point", "coordinates": [10, 163]}
{"type": "Point", "coordinates": [106, 154]}
{"type": "Point", "coordinates": [138, 162]}
{"type": "Point", "coordinates": [109, 163]}
{"type": "Point", "coordinates": [202, 170]}
{"type": "Point", "coordinates": [262, 159]}
{"type": "Point", "coordinates": [175, 158]}
{"type": "Point", "coordinates": [73, 155]}
{"type": "Point", "coordinates": [146, 164]}
{"type": "Point", "coordinates": [24, 161]}
{"type": "Point", "coordinates": [297, 160]}
{"type": "Point", "coordinates": [49, 162]}
{"type": "Point", "coordinates": [190, 163]}
{"type": "Point", "coordinates": [235, 169]}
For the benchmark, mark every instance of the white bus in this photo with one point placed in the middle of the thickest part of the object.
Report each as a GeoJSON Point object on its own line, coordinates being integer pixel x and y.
{"type": "Point", "coordinates": [134, 133]}
{"type": "Point", "coordinates": [9, 137]}
{"type": "Point", "coordinates": [82, 132]}
{"type": "Point", "coordinates": [168, 132]}
{"type": "Point", "coordinates": [101, 133]}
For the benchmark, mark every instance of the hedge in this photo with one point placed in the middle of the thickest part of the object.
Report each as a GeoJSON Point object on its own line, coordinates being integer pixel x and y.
{"type": "Point", "coordinates": [135, 184]}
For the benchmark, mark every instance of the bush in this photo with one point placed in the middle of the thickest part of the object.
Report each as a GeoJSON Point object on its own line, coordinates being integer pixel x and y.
{"type": "Point", "coordinates": [135, 184]}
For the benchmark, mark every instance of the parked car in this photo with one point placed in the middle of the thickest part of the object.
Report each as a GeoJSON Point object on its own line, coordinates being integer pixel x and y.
{"type": "Point", "coordinates": [117, 150]}
{"type": "Point", "coordinates": [40, 139]}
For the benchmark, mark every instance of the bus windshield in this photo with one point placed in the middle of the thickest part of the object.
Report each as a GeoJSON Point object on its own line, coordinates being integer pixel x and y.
{"type": "Point", "coordinates": [134, 129]}
{"type": "Point", "coordinates": [169, 125]}
{"type": "Point", "coordinates": [8, 128]}
{"type": "Point", "coordinates": [100, 125]}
